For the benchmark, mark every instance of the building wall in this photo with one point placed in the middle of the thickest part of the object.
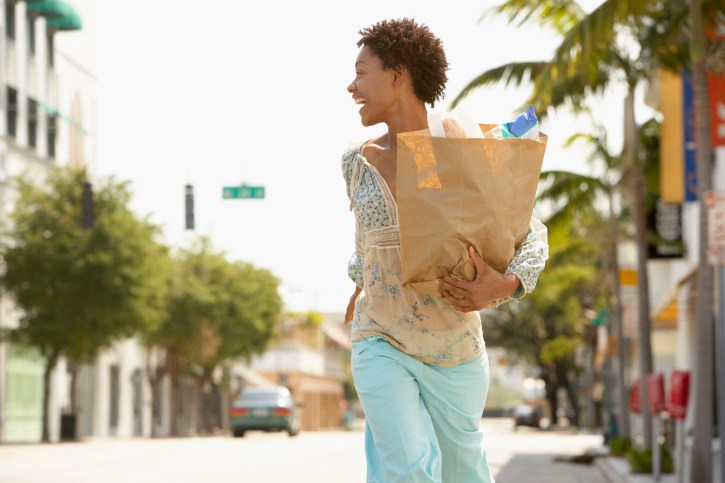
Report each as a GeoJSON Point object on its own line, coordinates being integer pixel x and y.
{"type": "Point", "coordinates": [66, 88]}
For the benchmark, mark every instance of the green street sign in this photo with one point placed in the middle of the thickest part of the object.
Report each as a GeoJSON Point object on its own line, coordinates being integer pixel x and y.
{"type": "Point", "coordinates": [244, 191]}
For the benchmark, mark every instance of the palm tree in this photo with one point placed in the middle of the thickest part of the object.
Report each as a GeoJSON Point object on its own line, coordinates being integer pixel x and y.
{"type": "Point", "coordinates": [573, 193]}
{"type": "Point", "coordinates": [621, 41]}
{"type": "Point", "coordinates": [701, 459]}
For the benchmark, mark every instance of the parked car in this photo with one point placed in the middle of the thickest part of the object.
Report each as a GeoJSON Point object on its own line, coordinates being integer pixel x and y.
{"type": "Point", "coordinates": [526, 415]}
{"type": "Point", "coordinates": [268, 408]}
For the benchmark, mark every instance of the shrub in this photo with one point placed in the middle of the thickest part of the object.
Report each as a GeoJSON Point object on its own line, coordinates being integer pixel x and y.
{"type": "Point", "coordinates": [640, 461]}
{"type": "Point", "coordinates": [619, 445]}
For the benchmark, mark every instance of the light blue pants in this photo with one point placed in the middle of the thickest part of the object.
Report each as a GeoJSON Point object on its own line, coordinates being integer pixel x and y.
{"type": "Point", "coordinates": [422, 421]}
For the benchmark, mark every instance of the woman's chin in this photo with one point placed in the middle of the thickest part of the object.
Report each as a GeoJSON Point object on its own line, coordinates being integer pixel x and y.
{"type": "Point", "coordinates": [367, 122]}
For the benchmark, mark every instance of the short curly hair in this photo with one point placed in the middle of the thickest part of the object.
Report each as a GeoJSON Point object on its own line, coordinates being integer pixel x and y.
{"type": "Point", "coordinates": [405, 42]}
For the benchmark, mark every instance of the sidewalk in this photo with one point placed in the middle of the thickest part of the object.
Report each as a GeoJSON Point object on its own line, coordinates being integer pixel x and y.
{"type": "Point", "coordinates": [616, 470]}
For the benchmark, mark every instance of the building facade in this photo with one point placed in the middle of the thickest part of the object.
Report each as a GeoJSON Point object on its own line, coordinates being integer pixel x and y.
{"type": "Point", "coordinates": [47, 99]}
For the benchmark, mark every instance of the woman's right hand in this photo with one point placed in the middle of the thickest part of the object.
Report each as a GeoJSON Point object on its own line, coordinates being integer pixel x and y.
{"type": "Point", "coordinates": [351, 306]}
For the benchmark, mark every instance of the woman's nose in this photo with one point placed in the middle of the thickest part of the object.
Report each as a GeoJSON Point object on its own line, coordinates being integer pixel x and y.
{"type": "Point", "coordinates": [351, 87]}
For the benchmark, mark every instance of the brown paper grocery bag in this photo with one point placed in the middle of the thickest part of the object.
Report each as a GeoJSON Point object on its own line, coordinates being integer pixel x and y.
{"type": "Point", "coordinates": [456, 192]}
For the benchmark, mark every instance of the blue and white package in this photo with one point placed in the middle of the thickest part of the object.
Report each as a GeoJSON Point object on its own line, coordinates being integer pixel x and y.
{"type": "Point", "coordinates": [524, 126]}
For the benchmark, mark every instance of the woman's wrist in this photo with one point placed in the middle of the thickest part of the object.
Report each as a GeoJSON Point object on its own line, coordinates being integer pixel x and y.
{"type": "Point", "coordinates": [512, 284]}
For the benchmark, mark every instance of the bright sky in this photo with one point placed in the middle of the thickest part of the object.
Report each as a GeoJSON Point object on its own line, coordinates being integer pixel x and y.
{"type": "Point", "coordinates": [224, 92]}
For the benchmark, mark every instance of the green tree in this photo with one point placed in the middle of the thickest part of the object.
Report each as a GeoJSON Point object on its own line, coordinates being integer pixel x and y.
{"type": "Point", "coordinates": [80, 289]}
{"type": "Point", "coordinates": [619, 42]}
{"type": "Point", "coordinates": [219, 311]}
{"type": "Point", "coordinates": [575, 195]}
{"type": "Point", "coordinates": [545, 328]}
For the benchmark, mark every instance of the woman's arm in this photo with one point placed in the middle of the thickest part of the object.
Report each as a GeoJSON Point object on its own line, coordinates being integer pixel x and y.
{"type": "Point", "coordinates": [350, 312]}
{"type": "Point", "coordinates": [489, 285]}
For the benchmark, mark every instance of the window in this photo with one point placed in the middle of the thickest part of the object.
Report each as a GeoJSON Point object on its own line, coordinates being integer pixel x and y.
{"type": "Point", "coordinates": [52, 129]}
{"type": "Point", "coordinates": [32, 123]}
{"type": "Point", "coordinates": [12, 113]}
{"type": "Point", "coordinates": [31, 34]}
{"type": "Point", "coordinates": [50, 49]}
{"type": "Point", "coordinates": [115, 395]}
{"type": "Point", "coordinates": [10, 19]}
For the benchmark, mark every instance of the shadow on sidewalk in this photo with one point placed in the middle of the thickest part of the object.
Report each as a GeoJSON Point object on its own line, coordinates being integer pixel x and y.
{"type": "Point", "coordinates": [544, 468]}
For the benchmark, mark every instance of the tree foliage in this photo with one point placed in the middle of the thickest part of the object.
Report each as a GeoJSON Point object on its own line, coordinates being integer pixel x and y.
{"type": "Point", "coordinates": [218, 310]}
{"type": "Point", "coordinates": [81, 289]}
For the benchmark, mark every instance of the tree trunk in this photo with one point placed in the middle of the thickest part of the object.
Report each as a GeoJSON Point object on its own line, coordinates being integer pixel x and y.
{"type": "Point", "coordinates": [701, 462]}
{"type": "Point", "coordinates": [173, 365]}
{"type": "Point", "coordinates": [196, 406]}
{"type": "Point", "coordinates": [49, 366]}
{"type": "Point", "coordinates": [617, 328]}
{"type": "Point", "coordinates": [565, 383]}
{"type": "Point", "coordinates": [174, 406]}
{"type": "Point", "coordinates": [550, 385]}
{"type": "Point", "coordinates": [74, 406]}
{"type": "Point", "coordinates": [214, 416]}
{"type": "Point", "coordinates": [155, 373]}
{"type": "Point", "coordinates": [225, 396]}
{"type": "Point", "coordinates": [638, 192]}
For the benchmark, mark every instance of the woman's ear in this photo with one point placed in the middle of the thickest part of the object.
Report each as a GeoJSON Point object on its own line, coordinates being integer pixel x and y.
{"type": "Point", "coordinates": [399, 75]}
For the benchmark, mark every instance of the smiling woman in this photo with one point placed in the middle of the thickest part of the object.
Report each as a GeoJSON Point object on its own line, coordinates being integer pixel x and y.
{"type": "Point", "coordinates": [416, 358]}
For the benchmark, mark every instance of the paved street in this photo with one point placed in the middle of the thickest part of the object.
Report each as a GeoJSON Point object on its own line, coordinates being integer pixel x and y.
{"type": "Point", "coordinates": [319, 457]}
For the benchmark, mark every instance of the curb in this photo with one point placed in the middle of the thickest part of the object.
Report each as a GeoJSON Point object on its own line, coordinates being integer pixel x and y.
{"type": "Point", "coordinates": [616, 470]}
{"type": "Point", "coordinates": [609, 471]}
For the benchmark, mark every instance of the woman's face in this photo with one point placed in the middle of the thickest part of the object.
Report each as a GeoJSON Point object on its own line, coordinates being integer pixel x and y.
{"type": "Point", "coordinates": [372, 88]}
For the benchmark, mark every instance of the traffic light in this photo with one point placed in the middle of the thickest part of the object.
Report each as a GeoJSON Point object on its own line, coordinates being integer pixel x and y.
{"type": "Point", "coordinates": [88, 217]}
{"type": "Point", "coordinates": [189, 199]}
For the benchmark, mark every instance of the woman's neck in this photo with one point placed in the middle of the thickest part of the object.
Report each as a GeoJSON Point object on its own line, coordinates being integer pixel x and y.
{"type": "Point", "coordinates": [413, 117]}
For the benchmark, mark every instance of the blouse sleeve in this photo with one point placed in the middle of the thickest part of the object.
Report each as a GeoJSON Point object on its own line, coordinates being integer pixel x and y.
{"type": "Point", "coordinates": [530, 258]}
{"type": "Point", "coordinates": [350, 170]}
{"type": "Point", "coordinates": [354, 268]}
{"type": "Point", "coordinates": [356, 262]}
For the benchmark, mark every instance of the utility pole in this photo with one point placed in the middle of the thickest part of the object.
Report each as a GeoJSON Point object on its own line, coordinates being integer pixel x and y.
{"type": "Point", "coordinates": [189, 205]}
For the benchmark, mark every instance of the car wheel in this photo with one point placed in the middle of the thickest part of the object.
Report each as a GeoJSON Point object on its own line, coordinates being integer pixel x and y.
{"type": "Point", "coordinates": [238, 433]}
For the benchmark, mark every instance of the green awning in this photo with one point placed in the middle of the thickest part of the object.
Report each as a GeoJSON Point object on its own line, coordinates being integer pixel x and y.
{"type": "Point", "coordinates": [68, 20]}
{"type": "Point", "coordinates": [46, 8]}
{"type": "Point", "coordinates": [51, 111]}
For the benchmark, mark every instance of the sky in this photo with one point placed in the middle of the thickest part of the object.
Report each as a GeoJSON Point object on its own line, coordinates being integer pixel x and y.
{"type": "Point", "coordinates": [222, 92]}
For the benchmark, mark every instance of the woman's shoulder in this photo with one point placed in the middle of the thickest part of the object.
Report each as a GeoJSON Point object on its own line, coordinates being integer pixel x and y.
{"type": "Point", "coordinates": [352, 150]}
{"type": "Point", "coordinates": [350, 158]}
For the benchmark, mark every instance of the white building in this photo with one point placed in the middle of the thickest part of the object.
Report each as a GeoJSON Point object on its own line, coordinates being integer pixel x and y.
{"type": "Point", "coordinates": [47, 99]}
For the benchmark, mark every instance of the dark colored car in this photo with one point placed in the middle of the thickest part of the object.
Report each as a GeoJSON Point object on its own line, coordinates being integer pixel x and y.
{"type": "Point", "coordinates": [526, 415]}
{"type": "Point", "coordinates": [268, 408]}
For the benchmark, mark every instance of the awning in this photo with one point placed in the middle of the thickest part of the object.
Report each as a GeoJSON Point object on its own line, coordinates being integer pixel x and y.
{"type": "Point", "coordinates": [336, 334]}
{"type": "Point", "coordinates": [46, 8]}
{"type": "Point", "coordinates": [67, 20]}
{"type": "Point", "coordinates": [667, 315]}
{"type": "Point", "coordinates": [51, 111]}
{"type": "Point", "coordinates": [251, 377]}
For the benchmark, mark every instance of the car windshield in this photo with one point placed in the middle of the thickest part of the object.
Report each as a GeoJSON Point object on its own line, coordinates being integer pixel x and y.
{"type": "Point", "coordinates": [259, 396]}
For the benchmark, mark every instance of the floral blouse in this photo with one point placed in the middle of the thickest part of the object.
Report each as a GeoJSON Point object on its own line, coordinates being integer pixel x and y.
{"type": "Point", "coordinates": [422, 326]}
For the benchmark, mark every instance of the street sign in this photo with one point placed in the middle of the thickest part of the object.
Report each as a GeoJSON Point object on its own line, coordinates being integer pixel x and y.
{"type": "Point", "coordinates": [715, 200]}
{"type": "Point", "coordinates": [243, 192]}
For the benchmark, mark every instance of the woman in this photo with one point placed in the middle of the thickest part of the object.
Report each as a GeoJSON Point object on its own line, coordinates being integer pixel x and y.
{"type": "Point", "coordinates": [419, 362]}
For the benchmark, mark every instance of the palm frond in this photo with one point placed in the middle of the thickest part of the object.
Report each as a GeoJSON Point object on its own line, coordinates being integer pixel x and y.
{"type": "Point", "coordinates": [559, 14]}
{"type": "Point", "coordinates": [514, 73]}
{"type": "Point", "coordinates": [590, 42]}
